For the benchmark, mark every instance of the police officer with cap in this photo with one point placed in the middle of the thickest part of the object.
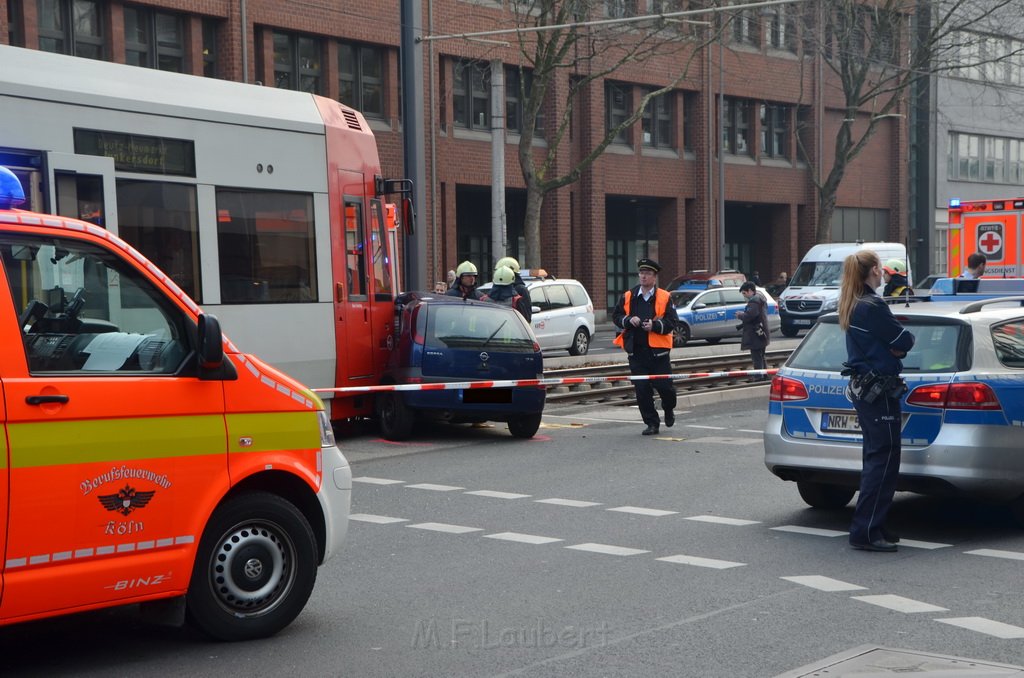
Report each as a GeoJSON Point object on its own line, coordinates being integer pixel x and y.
{"type": "Point", "coordinates": [647, 318]}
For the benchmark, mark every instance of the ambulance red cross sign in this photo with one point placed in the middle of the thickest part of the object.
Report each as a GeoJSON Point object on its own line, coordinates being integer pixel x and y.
{"type": "Point", "coordinates": [990, 241]}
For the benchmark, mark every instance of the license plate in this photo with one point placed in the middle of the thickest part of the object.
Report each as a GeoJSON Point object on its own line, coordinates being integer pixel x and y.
{"type": "Point", "coordinates": [840, 422]}
{"type": "Point", "coordinates": [802, 322]}
{"type": "Point", "coordinates": [487, 396]}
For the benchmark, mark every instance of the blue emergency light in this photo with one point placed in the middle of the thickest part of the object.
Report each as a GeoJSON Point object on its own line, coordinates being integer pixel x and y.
{"type": "Point", "coordinates": [11, 192]}
{"type": "Point", "coordinates": [954, 202]}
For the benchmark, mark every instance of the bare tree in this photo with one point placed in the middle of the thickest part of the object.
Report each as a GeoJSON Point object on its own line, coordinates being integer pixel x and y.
{"type": "Point", "coordinates": [587, 53]}
{"type": "Point", "coordinates": [875, 53]}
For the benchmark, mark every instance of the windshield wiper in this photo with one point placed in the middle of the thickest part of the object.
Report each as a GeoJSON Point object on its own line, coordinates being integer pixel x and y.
{"type": "Point", "coordinates": [496, 330]}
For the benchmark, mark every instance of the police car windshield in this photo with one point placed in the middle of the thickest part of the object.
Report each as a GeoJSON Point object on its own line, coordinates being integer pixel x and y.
{"type": "Point", "coordinates": [935, 347]}
{"type": "Point", "coordinates": [683, 298]}
{"type": "Point", "coordinates": [818, 274]}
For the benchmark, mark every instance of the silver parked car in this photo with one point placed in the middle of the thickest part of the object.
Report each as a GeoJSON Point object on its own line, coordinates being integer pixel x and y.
{"type": "Point", "coordinates": [563, 315]}
{"type": "Point", "coordinates": [710, 314]}
{"type": "Point", "coordinates": [963, 413]}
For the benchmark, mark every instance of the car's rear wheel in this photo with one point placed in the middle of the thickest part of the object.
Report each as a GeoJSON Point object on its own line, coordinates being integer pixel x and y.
{"type": "Point", "coordinates": [789, 331]}
{"type": "Point", "coordinates": [525, 426]}
{"type": "Point", "coordinates": [255, 568]}
{"type": "Point", "coordinates": [824, 495]}
{"type": "Point", "coordinates": [395, 417]}
{"type": "Point", "coordinates": [713, 340]}
{"type": "Point", "coordinates": [681, 335]}
{"type": "Point", "coordinates": [580, 342]}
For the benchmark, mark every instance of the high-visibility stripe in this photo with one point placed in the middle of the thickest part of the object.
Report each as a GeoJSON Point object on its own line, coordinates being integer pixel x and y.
{"type": "Point", "coordinates": [269, 431]}
{"type": "Point", "coordinates": [54, 443]}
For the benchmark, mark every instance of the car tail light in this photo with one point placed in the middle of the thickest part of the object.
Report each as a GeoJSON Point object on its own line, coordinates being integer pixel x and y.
{"type": "Point", "coordinates": [785, 389]}
{"type": "Point", "coordinates": [961, 396]}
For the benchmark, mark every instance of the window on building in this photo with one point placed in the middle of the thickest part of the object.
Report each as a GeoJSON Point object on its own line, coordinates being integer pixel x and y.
{"type": "Point", "coordinates": [659, 121]}
{"type": "Point", "coordinates": [973, 157]}
{"type": "Point", "coordinates": [471, 95]}
{"type": "Point", "coordinates": [619, 9]}
{"type": "Point", "coordinates": [690, 100]}
{"type": "Point", "coordinates": [296, 62]}
{"type": "Point", "coordinates": [618, 107]}
{"type": "Point", "coordinates": [782, 28]}
{"type": "Point", "coordinates": [736, 126]}
{"type": "Point", "coordinates": [14, 36]}
{"type": "Point", "coordinates": [774, 131]}
{"type": "Point", "coordinates": [266, 247]}
{"type": "Point", "coordinates": [745, 27]}
{"type": "Point", "coordinates": [210, 47]}
{"type": "Point", "coordinates": [71, 27]}
{"type": "Point", "coordinates": [516, 98]}
{"type": "Point", "coordinates": [154, 39]}
{"type": "Point", "coordinates": [361, 78]}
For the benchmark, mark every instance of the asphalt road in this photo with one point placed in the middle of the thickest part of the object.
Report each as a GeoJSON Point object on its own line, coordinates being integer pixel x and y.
{"type": "Point", "coordinates": [593, 551]}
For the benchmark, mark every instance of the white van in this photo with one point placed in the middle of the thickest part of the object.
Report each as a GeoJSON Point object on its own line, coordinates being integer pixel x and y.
{"type": "Point", "coordinates": [813, 290]}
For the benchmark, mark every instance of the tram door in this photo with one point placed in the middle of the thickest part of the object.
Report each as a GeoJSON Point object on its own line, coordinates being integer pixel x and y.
{"type": "Point", "coordinates": [352, 288]}
{"type": "Point", "coordinates": [82, 187]}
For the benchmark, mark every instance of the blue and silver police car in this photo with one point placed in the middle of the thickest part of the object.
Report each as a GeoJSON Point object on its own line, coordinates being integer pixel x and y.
{"type": "Point", "coordinates": [963, 412]}
{"type": "Point", "coordinates": [710, 313]}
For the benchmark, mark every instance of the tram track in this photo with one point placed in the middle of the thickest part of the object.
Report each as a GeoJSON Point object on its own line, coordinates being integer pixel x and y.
{"type": "Point", "coordinates": [621, 393]}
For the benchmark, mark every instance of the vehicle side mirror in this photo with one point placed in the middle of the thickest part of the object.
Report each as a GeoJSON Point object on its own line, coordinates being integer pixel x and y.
{"type": "Point", "coordinates": [535, 309]}
{"type": "Point", "coordinates": [698, 306]}
{"type": "Point", "coordinates": [212, 365]}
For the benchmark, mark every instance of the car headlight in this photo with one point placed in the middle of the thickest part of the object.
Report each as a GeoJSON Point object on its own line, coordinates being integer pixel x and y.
{"type": "Point", "coordinates": [326, 430]}
{"type": "Point", "coordinates": [830, 305]}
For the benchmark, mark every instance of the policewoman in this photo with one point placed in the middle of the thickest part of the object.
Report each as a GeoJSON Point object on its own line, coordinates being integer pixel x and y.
{"type": "Point", "coordinates": [647, 318]}
{"type": "Point", "coordinates": [875, 343]}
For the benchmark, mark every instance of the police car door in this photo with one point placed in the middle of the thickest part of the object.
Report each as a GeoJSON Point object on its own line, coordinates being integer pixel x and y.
{"type": "Point", "coordinates": [709, 317]}
{"type": "Point", "coordinates": [117, 449]}
{"type": "Point", "coordinates": [733, 302]}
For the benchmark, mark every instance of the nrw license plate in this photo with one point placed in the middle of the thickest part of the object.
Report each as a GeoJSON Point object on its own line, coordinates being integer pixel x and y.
{"type": "Point", "coordinates": [803, 322]}
{"type": "Point", "coordinates": [840, 422]}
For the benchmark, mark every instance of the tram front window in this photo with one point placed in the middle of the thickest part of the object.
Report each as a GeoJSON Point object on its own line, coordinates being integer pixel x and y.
{"type": "Point", "coordinates": [266, 247]}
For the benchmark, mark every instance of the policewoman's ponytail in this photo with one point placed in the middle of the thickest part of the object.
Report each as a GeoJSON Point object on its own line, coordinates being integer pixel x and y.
{"type": "Point", "coordinates": [856, 269]}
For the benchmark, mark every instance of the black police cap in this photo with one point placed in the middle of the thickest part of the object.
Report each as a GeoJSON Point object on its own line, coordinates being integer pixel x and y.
{"type": "Point", "coordinates": [648, 264]}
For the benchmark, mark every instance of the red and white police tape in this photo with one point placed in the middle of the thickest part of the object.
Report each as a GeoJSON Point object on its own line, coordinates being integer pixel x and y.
{"type": "Point", "coordinates": [564, 381]}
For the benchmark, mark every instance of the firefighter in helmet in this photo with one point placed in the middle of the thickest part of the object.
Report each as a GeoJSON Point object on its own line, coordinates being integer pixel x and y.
{"type": "Point", "coordinates": [465, 282]}
{"type": "Point", "coordinates": [526, 306]}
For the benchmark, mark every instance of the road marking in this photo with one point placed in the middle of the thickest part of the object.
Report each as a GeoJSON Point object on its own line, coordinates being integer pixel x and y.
{"type": "Point", "coordinates": [379, 520]}
{"type": "Point", "coordinates": [701, 562]}
{"type": "Point", "coordinates": [568, 502]}
{"type": "Point", "coordinates": [657, 513]}
{"type": "Point", "coordinates": [816, 581]}
{"type": "Point", "coordinates": [497, 495]}
{"type": "Point", "coordinates": [445, 527]}
{"type": "Point", "coordinates": [522, 538]}
{"type": "Point", "coordinates": [930, 545]}
{"type": "Point", "coordinates": [995, 553]}
{"type": "Point", "coordinates": [982, 625]}
{"type": "Point", "coordinates": [723, 520]}
{"type": "Point", "coordinates": [376, 481]}
{"type": "Point", "coordinates": [899, 603]}
{"type": "Point", "coordinates": [747, 430]}
{"type": "Point", "coordinates": [607, 549]}
{"type": "Point", "coordinates": [436, 488]}
{"type": "Point", "coordinates": [710, 428]}
{"type": "Point", "coordinates": [817, 531]}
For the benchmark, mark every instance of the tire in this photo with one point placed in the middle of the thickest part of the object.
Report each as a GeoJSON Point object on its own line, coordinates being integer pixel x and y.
{"type": "Point", "coordinates": [681, 336]}
{"type": "Point", "coordinates": [395, 417]}
{"type": "Point", "coordinates": [255, 568]}
{"type": "Point", "coordinates": [525, 426]}
{"type": "Point", "coordinates": [789, 331]}
{"type": "Point", "coordinates": [713, 340]}
{"type": "Point", "coordinates": [823, 495]}
{"type": "Point", "coordinates": [580, 342]}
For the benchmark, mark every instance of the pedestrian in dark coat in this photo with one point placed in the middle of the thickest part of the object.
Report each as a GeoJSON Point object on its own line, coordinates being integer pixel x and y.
{"type": "Point", "coordinates": [754, 322]}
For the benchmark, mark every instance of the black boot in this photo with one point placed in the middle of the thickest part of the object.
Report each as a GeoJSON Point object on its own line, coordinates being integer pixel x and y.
{"type": "Point", "coordinates": [651, 430]}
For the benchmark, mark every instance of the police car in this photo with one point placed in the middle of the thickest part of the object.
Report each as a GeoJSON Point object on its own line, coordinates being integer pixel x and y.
{"type": "Point", "coordinates": [963, 413]}
{"type": "Point", "coordinates": [710, 314]}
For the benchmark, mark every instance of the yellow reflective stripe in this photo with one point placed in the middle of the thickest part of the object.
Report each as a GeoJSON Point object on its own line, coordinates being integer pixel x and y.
{"type": "Point", "coordinates": [56, 443]}
{"type": "Point", "coordinates": [270, 431]}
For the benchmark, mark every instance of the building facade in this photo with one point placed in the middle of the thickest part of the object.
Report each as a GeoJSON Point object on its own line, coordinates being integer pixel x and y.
{"type": "Point", "coordinates": [676, 186]}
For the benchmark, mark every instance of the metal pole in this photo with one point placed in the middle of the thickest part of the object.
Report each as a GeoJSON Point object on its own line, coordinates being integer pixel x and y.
{"type": "Point", "coordinates": [498, 243]}
{"type": "Point", "coordinates": [721, 155]}
{"type": "Point", "coordinates": [412, 139]}
{"type": "Point", "coordinates": [245, 41]}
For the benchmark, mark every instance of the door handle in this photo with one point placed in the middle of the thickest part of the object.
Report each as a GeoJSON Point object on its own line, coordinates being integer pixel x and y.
{"type": "Point", "coordinates": [43, 399]}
